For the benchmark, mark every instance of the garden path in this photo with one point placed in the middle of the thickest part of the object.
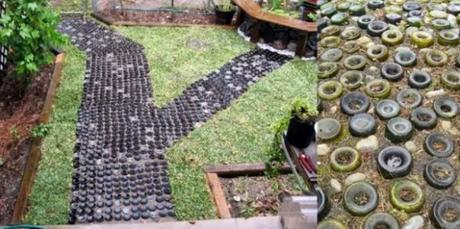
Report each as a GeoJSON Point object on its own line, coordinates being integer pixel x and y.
{"type": "Point", "coordinates": [120, 169]}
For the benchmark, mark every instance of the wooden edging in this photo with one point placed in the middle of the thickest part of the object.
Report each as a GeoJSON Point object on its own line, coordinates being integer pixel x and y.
{"type": "Point", "coordinates": [153, 24]}
{"type": "Point", "coordinates": [35, 152]}
{"type": "Point", "coordinates": [213, 172]}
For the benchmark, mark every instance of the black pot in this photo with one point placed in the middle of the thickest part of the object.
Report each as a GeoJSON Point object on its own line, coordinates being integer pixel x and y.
{"type": "Point", "coordinates": [224, 17]}
{"type": "Point", "coordinates": [300, 133]}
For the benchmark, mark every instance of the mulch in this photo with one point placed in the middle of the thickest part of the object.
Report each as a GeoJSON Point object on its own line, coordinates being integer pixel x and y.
{"type": "Point", "coordinates": [196, 17]}
{"type": "Point", "coordinates": [19, 113]}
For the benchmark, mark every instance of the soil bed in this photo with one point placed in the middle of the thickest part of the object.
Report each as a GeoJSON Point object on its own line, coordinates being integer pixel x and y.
{"type": "Point", "coordinates": [195, 17]}
{"type": "Point", "coordinates": [19, 113]}
{"type": "Point", "coordinates": [257, 196]}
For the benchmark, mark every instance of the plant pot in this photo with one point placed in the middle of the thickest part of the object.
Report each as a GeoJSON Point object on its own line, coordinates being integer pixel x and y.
{"type": "Point", "coordinates": [224, 17]}
{"type": "Point", "coordinates": [300, 133]}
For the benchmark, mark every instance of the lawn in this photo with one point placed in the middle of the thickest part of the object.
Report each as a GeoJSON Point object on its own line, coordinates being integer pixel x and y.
{"type": "Point", "coordinates": [240, 133]}
{"type": "Point", "coordinates": [70, 5]}
{"type": "Point", "coordinates": [51, 192]}
{"type": "Point", "coordinates": [179, 56]}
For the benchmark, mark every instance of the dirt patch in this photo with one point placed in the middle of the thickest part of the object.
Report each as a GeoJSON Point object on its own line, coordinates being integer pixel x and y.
{"type": "Point", "coordinates": [257, 196]}
{"type": "Point", "coordinates": [19, 113]}
{"type": "Point", "coordinates": [197, 17]}
{"type": "Point", "coordinates": [407, 195]}
{"type": "Point", "coordinates": [361, 198]}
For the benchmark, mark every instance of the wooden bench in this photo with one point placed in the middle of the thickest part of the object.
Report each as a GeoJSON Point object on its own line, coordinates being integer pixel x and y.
{"type": "Point", "coordinates": [252, 9]}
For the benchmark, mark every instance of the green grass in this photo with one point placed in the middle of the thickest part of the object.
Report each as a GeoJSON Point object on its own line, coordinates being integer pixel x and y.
{"type": "Point", "coordinates": [69, 5]}
{"type": "Point", "coordinates": [180, 56]}
{"type": "Point", "coordinates": [50, 197]}
{"type": "Point", "coordinates": [239, 134]}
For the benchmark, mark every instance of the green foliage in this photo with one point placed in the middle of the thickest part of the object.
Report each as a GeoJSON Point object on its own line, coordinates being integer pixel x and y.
{"type": "Point", "coordinates": [275, 4]}
{"type": "Point", "coordinates": [303, 110]}
{"type": "Point", "coordinates": [40, 131]}
{"type": "Point", "coordinates": [312, 16]}
{"type": "Point", "coordinates": [224, 5]}
{"type": "Point", "coordinates": [29, 29]}
{"type": "Point", "coordinates": [15, 133]}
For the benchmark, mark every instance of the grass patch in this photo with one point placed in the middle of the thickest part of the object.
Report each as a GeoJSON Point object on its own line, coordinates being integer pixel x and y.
{"type": "Point", "coordinates": [70, 5]}
{"type": "Point", "coordinates": [241, 133]}
{"type": "Point", "coordinates": [50, 197]}
{"type": "Point", "coordinates": [180, 56]}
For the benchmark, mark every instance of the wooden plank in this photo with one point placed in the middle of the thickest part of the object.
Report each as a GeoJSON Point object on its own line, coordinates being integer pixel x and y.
{"type": "Point", "coordinates": [247, 169]}
{"type": "Point", "coordinates": [218, 195]}
{"type": "Point", "coordinates": [255, 11]}
{"type": "Point", "coordinates": [35, 152]}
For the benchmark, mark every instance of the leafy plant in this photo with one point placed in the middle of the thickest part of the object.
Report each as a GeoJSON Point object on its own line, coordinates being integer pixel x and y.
{"type": "Point", "coordinates": [305, 112]}
{"type": "Point", "coordinates": [275, 4]}
{"type": "Point", "coordinates": [40, 131]}
{"type": "Point", "coordinates": [312, 16]}
{"type": "Point", "coordinates": [224, 5]}
{"type": "Point", "coordinates": [29, 30]}
{"type": "Point", "coordinates": [15, 133]}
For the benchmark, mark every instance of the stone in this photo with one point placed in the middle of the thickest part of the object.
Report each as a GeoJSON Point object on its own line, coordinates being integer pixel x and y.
{"type": "Point", "coordinates": [438, 14]}
{"type": "Point", "coordinates": [364, 41]}
{"type": "Point", "coordinates": [323, 150]}
{"type": "Point", "coordinates": [411, 146]}
{"type": "Point", "coordinates": [402, 48]}
{"type": "Point", "coordinates": [435, 93]}
{"type": "Point", "coordinates": [410, 30]}
{"type": "Point", "coordinates": [369, 144]}
{"type": "Point", "coordinates": [374, 69]}
{"type": "Point", "coordinates": [333, 109]}
{"type": "Point", "coordinates": [355, 177]}
{"type": "Point", "coordinates": [336, 185]}
{"type": "Point", "coordinates": [447, 126]}
{"type": "Point", "coordinates": [452, 52]}
{"type": "Point", "coordinates": [415, 222]}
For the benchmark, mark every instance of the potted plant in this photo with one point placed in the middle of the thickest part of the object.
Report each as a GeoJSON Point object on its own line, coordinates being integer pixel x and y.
{"type": "Point", "coordinates": [225, 11]}
{"type": "Point", "coordinates": [308, 11]}
{"type": "Point", "coordinates": [301, 131]}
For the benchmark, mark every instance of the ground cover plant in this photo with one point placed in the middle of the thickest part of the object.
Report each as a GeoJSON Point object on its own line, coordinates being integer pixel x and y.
{"type": "Point", "coordinates": [388, 133]}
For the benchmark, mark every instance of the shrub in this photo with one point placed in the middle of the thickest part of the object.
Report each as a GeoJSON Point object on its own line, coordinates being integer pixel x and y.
{"type": "Point", "coordinates": [29, 30]}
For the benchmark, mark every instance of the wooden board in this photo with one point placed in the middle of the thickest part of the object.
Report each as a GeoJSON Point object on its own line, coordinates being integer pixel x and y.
{"type": "Point", "coordinates": [35, 152]}
{"type": "Point", "coordinates": [254, 10]}
{"type": "Point", "coordinates": [218, 195]}
{"type": "Point", "coordinates": [247, 169]}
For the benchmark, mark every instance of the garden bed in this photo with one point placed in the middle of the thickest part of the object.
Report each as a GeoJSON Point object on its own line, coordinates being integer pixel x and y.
{"type": "Point", "coordinates": [191, 17]}
{"type": "Point", "coordinates": [257, 195]}
{"type": "Point", "coordinates": [20, 113]}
